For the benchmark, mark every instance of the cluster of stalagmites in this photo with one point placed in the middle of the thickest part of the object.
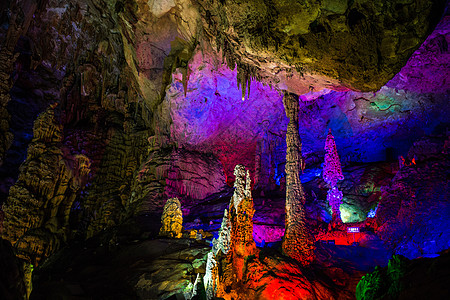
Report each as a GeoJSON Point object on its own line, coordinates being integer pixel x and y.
{"type": "Point", "coordinates": [232, 263]}
{"type": "Point", "coordinates": [235, 241]}
{"type": "Point", "coordinates": [235, 267]}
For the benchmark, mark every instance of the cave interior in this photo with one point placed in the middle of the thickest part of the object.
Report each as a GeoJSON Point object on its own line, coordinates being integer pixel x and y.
{"type": "Point", "coordinates": [224, 149]}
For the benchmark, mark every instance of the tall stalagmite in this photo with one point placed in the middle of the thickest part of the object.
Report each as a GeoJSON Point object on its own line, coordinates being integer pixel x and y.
{"type": "Point", "coordinates": [297, 241]}
{"type": "Point", "coordinates": [241, 217]}
{"type": "Point", "coordinates": [242, 211]}
{"type": "Point", "coordinates": [332, 172]}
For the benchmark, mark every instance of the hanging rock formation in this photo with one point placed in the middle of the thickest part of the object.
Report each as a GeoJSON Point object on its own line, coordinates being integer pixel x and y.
{"type": "Point", "coordinates": [172, 219]}
{"type": "Point", "coordinates": [297, 242]}
{"type": "Point", "coordinates": [330, 44]}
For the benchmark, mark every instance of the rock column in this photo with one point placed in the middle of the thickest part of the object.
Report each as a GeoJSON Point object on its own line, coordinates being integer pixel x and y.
{"type": "Point", "coordinates": [297, 242]}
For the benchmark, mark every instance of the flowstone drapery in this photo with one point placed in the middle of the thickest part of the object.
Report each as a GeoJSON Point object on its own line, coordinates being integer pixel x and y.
{"type": "Point", "coordinates": [297, 241]}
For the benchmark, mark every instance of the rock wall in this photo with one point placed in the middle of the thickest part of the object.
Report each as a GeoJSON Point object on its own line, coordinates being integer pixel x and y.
{"type": "Point", "coordinates": [73, 56]}
{"type": "Point", "coordinates": [405, 279]}
{"type": "Point", "coordinates": [170, 172]}
{"type": "Point", "coordinates": [21, 15]}
{"type": "Point", "coordinates": [38, 208]}
{"type": "Point", "coordinates": [413, 207]}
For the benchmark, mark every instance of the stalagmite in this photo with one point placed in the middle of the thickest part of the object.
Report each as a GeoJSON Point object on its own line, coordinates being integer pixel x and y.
{"type": "Point", "coordinates": [297, 242]}
{"type": "Point", "coordinates": [332, 172]}
{"type": "Point", "coordinates": [241, 212]}
{"type": "Point", "coordinates": [172, 219]}
{"type": "Point", "coordinates": [242, 244]}
{"type": "Point", "coordinates": [222, 243]}
{"type": "Point", "coordinates": [198, 291]}
{"type": "Point", "coordinates": [210, 280]}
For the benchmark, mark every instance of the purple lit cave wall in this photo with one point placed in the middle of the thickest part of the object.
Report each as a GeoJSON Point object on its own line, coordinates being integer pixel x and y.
{"type": "Point", "coordinates": [206, 149]}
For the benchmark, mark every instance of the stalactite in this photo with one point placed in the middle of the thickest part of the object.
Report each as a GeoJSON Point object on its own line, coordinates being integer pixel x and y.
{"type": "Point", "coordinates": [297, 241]}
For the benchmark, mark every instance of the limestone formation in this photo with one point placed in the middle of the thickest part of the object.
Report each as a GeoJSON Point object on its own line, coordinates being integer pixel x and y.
{"type": "Point", "coordinates": [297, 241]}
{"type": "Point", "coordinates": [241, 215]}
{"type": "Point", "coordinates": [172, 219]}
{"type": "Point", "coordinates": [168, 173]}
{"type": "Point", "coordinates": [222, 243]}
{"type": "Point", "coordinates": [198, 291]}
{"type": "Point", "coordinates": [304, 45]}
{"type": "Point", "coordinates": [211, 278]}
{"type": "Point", "coordinates": [38, 208]}
{"type": "Point", "coordinates": [332, 172]}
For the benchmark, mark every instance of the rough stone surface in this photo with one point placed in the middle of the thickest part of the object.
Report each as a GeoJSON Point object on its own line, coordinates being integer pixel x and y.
{"type": "Point", "coordinates": [360, 44]}
{"type": "Point", "coordinates": [21, 14]}
{"type": "Point", "coordinates": [297, 242]}
{"type": "Point", "coordinates": [211, 278]}
{"type": "Point", "coordinates": [38, 208]}
{"type": "Point", "coordinates": [405, 279]}
{"type": "Point", "coordinates": [151, 269]}
{"type": "Point", "coordinates": [413, 210]}
{"type": "Point", "coordinates": [172, 219]}
{"type": "Point", "coordinates": [168, 172]}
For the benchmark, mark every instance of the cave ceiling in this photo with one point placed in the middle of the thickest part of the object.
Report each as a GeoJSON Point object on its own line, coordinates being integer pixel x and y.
{"type": "Point", "coordinates": [181, 68]}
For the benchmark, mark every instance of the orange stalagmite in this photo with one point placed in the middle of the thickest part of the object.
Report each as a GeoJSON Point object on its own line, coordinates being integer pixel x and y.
{"type": "Point", "coordinates": [241, 217]}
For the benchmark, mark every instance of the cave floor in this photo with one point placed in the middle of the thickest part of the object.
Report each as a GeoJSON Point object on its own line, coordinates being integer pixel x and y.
{"type": "Point", "coordinates": [160, 268]}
